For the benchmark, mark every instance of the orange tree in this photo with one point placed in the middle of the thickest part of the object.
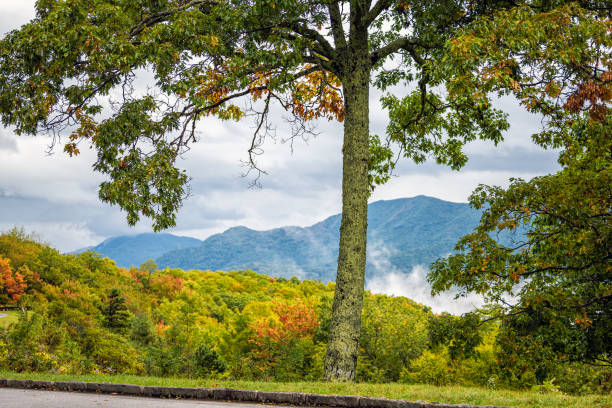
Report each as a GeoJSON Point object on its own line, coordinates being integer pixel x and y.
{"type": "Point", "coordinates": [282, 346]}
{"type": "Point", "coordinates": [12, 283]}
{"type": "Point", "coordinates": [73, 69]}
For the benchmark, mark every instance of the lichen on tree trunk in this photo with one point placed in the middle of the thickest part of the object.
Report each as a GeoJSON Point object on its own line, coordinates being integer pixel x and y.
{"type": "Point", "coordinates": [343, 345]}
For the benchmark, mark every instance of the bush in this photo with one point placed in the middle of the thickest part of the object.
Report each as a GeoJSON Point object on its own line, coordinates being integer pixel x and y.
{"type": "Point", "coordinates": [583, 379]}
{"type": "Point", "coordinates": [430, 368]}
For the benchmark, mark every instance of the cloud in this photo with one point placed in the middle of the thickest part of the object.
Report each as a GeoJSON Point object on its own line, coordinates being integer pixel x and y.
{"type": "Point", "coordinates": [390, 280]}
{"type": "Point", "coordinates": [413, 285]}
{"type": "Point", "coordinates": [66, 236]}
{"type": "Point", "coordinates": [15, 13]}
{"type": "Point", "coordinates": [7, 142]}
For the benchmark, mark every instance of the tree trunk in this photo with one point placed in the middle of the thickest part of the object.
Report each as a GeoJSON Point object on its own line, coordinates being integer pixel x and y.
{"type": "Point", "coordinates": [343, 346]}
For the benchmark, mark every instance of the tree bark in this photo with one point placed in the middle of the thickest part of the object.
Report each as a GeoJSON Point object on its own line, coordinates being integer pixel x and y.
{"type": "Point", "coordinates": [343, 345]}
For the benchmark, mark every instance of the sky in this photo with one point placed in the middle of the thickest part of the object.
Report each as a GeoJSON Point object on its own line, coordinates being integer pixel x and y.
{"type": "Point", "coordinates": [56, 196]}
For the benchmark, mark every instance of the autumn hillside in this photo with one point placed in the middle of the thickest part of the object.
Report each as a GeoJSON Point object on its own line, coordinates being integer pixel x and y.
{"type": "Point", "coordinates": [171, 322]}
{"type": "Point", "coordinates": [86, 315]}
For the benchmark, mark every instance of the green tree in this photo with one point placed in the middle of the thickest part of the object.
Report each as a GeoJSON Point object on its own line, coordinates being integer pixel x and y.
{"type": "Point", "coordinates": [206, 361]}
{"type": "Point", "coordinates": [393, 333]}
{"type": "Point", "coordinates": [315, 58]}
{"type": "Point", "coordinates": [460, 334]}
{"type": "Point", "coordinates": [148, 266]}
{"type": "Point", "coordinates": [115, 312]}
{"type": "Point", "coordinates": [560, 269]}
{"type": "Point", "coordinates": [142, 329]}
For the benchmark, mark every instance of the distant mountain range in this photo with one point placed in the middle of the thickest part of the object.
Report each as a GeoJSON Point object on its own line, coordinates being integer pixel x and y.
{"type": "Point", "coordinates": [402, 233]}
{"type": "Point", "coordinates": [128, 250]}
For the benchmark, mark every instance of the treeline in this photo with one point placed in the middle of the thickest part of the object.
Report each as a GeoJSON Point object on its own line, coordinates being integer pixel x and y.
{"type": "Point", "coordinates": [82, 314]}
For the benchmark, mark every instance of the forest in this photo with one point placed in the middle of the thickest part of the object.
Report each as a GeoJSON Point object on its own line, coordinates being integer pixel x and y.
{"type": "Point", "coordinates": [81, 314]}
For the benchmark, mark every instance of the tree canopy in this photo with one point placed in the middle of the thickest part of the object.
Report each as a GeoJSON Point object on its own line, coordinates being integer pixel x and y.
{"type": "Point", "coordinates": [542, 249]}
{"type": "Point", "coordinates": [72, 71]}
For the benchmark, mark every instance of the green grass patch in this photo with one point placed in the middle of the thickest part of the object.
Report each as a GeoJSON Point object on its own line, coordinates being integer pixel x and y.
{"type": "Point", "coordinates": [11, 317]}
{"type": "Point", "coordinates": [449, 394]}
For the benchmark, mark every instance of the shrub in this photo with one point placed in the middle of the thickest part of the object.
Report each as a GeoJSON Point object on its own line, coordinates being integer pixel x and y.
{"type": "Point", "coordinates": [430, 368]}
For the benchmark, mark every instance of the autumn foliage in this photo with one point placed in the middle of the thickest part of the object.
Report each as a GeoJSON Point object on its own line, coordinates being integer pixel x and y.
{"type": "Point", "coordinates": [166, 285]}
{"type": "Point", "coordinates": [295, 321]}
{"type": "Point", "coordinates": [12, 283]}
{"type": "Point", "coordinates": [238, 325]}
{"type": "Point", "coordinates": [288, 331]}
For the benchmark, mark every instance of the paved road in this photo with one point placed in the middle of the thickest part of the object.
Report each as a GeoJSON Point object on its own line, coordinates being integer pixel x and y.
{"type": "Point", "coordinates": [15, 398]}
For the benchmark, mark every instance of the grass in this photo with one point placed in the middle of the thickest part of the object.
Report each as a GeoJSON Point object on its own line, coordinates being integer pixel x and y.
{"type": "Point", "coordinates": [448, 394]}
{"type": "Point", "coordinates": [11, 317]}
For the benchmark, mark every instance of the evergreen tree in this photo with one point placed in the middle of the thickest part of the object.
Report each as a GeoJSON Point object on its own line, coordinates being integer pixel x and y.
{"type": "Point", "coordinates": [142, 329]}
{"type": "Point", "coordinates": [207, 361]}
{"type": "Point", "coordinates": [116, 313]}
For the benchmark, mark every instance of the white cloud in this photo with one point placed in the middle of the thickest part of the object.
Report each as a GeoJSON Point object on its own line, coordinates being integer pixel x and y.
{"type": "Point", "coordinates": [390, 280]}
{"type": "Point", "coordinates": [70, 236]}
{"type": "Point", "coordinates": [413, 285]}
{"type": "Point", "coordinates": [7, 141]}
{"type": "Point", "coordinates": [450, 186]}
{"type": "Point", "coordinates": [15, 13]}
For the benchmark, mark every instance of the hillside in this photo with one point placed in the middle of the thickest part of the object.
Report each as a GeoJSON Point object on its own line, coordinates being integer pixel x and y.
{"type": "Point", "coordinates": [85, 315]}
{"type": "Point", "coordinates": [402, 233]}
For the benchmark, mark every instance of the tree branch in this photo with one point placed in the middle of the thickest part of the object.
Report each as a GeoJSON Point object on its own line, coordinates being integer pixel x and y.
{"type": "Point", "coordinates": [404, 43]}
{"type": "Point", "coordinates": [163, 15]}
{"type": "Point", "coordinates": [379, 7]}
{"type": "Point", "coordinates": [326, 48]}
{"type": "Point", "coordinates": [335, 19]}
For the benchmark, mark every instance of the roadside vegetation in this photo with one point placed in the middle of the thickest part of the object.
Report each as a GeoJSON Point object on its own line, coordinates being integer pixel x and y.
{"type": "Point", "coordinates": [453, 394]}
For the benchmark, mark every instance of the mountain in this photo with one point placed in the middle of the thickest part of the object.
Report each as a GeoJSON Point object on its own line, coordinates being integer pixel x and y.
{"type": "Point", "coordinates": [127, 250]}
{"type": "Point", "coordinates": [402, 233]}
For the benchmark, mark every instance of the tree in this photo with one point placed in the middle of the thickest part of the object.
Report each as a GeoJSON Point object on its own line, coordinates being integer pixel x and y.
{"type": "Point", "coordinates": [73, 69]}
{"type": "Point", "coordinates": [393, 333]}
{"type": "Point", "coordinates": [460, 334]}
{"type": "Point", "coordinates": [116, 313]}
{"type": "Point", "coordinates": [560, 269]}
{"type": "Point", "coordinates": [283, 343]}
{"type": "Point", "coordinates": [142, 329]}
{"type": "Point", "coordinates": [12, 283]}
{"type": "Point", "coordinates": [207, 361]}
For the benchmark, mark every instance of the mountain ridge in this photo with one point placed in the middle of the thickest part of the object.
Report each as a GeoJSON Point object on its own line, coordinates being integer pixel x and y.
{"type": "Point", "coordinates": [402, 233]}
{"type": "Point", "coordinates": [128, 250]}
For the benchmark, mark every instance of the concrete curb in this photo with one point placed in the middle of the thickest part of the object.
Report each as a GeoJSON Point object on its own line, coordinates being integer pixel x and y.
{"type": "Point", "coordinates": [229, 394]}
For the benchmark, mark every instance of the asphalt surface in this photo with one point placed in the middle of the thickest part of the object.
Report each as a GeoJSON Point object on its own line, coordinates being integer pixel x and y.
{"type": "Point", "coordinates": [16, 398]}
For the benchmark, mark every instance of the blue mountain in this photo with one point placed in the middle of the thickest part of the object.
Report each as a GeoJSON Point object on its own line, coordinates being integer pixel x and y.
{"type": "Point", "coordinates": [402, 233]}
{"type": "Point", "coordinates": [128, 250]}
